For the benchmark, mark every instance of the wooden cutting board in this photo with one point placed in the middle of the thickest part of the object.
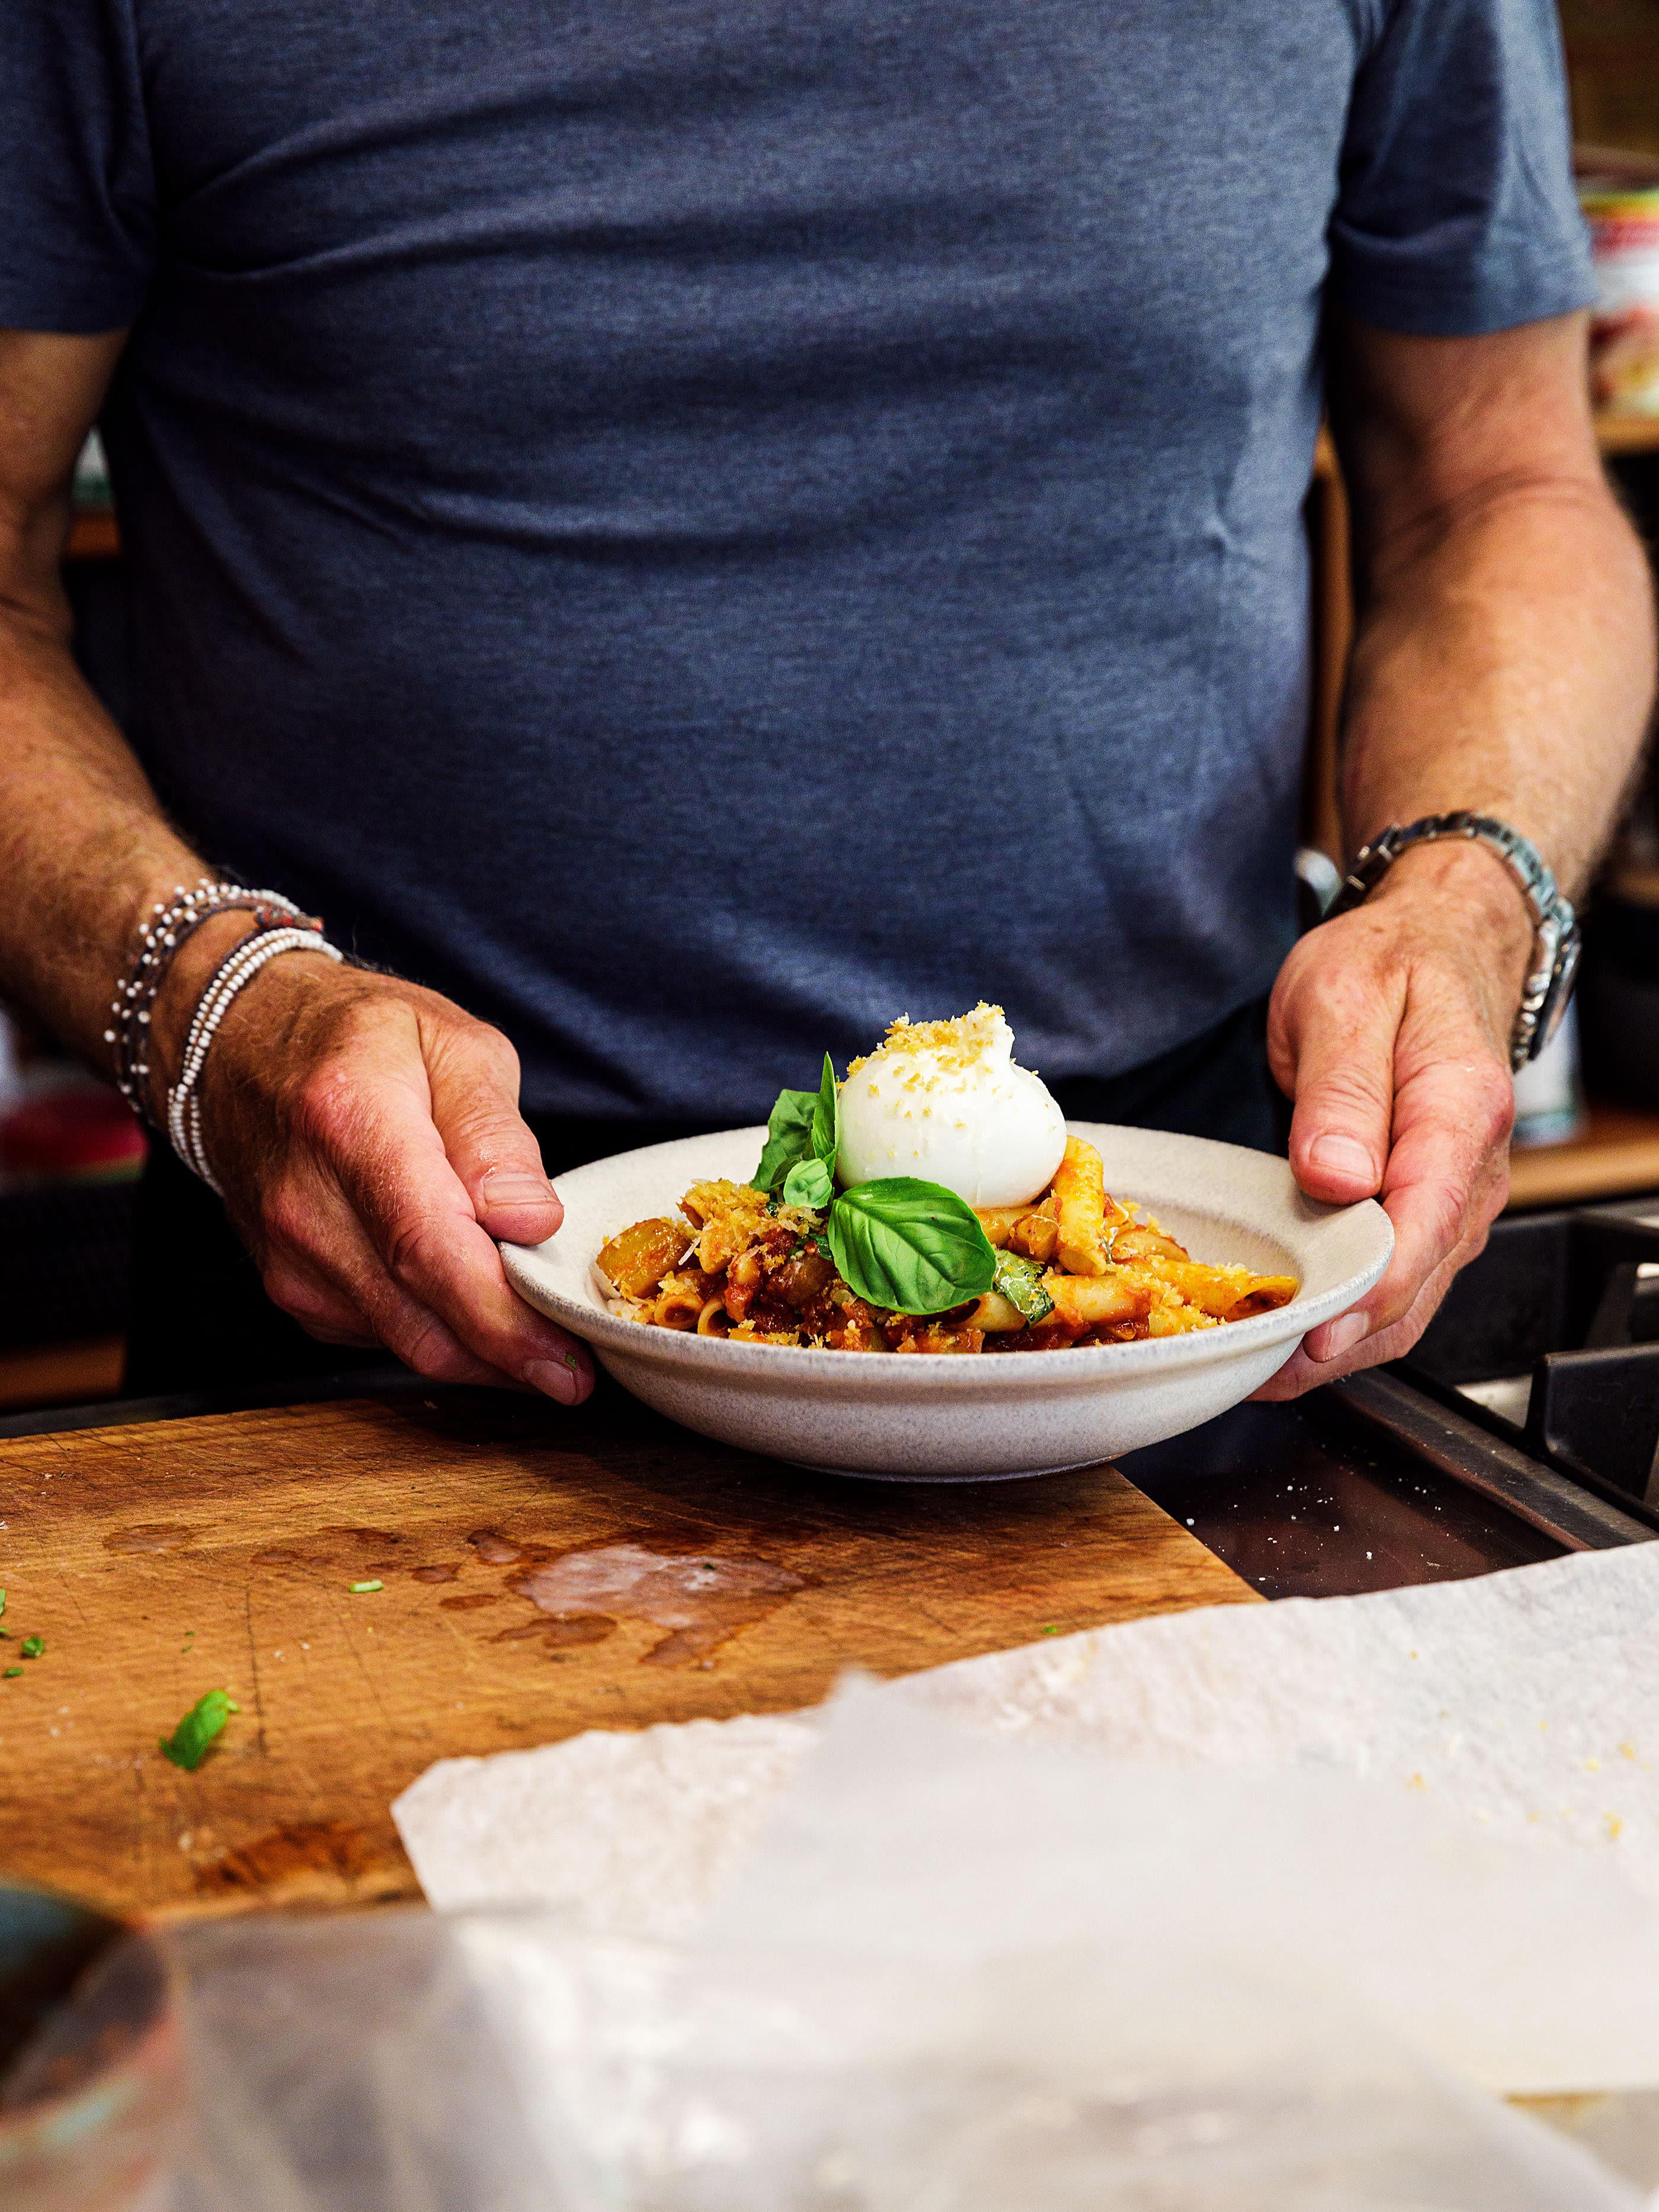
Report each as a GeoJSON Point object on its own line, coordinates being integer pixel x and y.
{"type": "Point", "coordinates": [540, 1573]}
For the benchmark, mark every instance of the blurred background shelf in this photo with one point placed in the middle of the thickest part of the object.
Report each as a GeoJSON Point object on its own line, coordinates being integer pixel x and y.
{"type": "Point", "coordinates": [1616, 1155]}
{"type": "Point", "coordinates": [93, 537]}
{"type": "Point", "coordinates": [74, 1374]}
{"type": "Point", "coordinates": [1628, 434]}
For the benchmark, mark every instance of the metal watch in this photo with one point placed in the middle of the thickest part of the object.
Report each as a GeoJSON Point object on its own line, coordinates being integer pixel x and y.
{"type": "Point", "coordinates": [1557, 941]}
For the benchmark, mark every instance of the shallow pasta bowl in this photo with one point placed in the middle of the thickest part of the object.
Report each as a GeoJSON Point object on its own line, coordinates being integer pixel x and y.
{"type": "Point", "coordinates": [965, 1418]}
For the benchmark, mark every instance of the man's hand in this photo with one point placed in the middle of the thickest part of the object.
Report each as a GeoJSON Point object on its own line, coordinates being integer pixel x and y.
{"type": "Point", "coordinates": [1390, 1029]}
{"type": "Point", "coordinates": [367, 1136]}
{"type": "Point", "coordinates": [1502, 661]}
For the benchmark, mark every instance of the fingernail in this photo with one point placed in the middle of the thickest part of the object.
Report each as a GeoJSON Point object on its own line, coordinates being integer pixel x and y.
{"type": "Point", "coordinates": [554, 1378]}
{"type": "Point", "coordinates": [1342, 1156]}
{"type": "Point", "coordinates": [1342, 1335]}
{"type": "Point", "coordinates": [515, 1189]}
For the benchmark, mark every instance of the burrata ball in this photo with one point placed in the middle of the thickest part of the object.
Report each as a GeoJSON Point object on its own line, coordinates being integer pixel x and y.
{"type": "Point", "coordinates": [944, 1101]}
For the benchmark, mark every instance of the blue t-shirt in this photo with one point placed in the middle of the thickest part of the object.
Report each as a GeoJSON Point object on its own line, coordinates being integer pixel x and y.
{"type": "Point", "coordinates": [698, 525]}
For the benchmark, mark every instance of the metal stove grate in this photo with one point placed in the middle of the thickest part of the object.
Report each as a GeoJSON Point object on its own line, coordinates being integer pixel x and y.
{"type": "Point", "coordinates": [1550, 1340]}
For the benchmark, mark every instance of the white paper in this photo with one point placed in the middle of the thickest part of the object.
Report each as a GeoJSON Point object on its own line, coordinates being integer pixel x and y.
{"type": "Point", "coordinates": [906, 1836]}
{"type": "Point", "coordinates": [1446, 1794]}
{"type": "Point", "coordinates": [1527, 1702]}
{"type": "Point", "coordinates": [634, 1833]}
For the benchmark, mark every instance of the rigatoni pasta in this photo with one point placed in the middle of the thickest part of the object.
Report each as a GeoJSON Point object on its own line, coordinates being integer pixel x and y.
{"type": "Point", "coordinates": [1075, 1267]}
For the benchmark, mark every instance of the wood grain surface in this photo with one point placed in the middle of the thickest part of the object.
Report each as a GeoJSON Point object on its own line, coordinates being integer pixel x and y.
{"type": "Point", "coordinates": [541, 1573]}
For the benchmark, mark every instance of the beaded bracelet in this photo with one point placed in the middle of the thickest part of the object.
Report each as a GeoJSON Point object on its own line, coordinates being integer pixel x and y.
{"type": "Point", "coordinates": [238, 968]}
{"type": "Point", "coordinates": [159, 940]}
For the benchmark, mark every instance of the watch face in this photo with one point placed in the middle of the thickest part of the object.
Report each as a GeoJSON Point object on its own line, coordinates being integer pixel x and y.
{"type": "Point", "coordinates": [1560, 990]}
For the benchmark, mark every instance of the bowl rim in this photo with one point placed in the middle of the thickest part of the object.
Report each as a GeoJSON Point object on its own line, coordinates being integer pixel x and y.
{"type": "Point", "coordinates": [1080, 1365]}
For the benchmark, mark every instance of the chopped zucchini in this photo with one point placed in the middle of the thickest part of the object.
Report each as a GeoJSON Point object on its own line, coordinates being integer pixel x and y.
{"type": "Point", "coordinates": [1020, 1281]}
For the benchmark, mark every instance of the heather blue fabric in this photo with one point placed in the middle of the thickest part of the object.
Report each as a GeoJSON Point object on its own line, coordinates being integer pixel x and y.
{"type": "Point", "coordinates": [696, 525]}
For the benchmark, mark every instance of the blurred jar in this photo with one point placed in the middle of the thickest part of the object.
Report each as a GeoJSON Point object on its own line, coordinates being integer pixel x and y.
{"type": "Point", "coordinates": [1549, 1096]}
{"type": "Point", "coordinates": [1619, 194]}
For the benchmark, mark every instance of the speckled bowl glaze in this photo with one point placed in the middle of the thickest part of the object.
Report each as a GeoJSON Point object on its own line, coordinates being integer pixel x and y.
{"type": "Point", "coordinates": [966, 1420]}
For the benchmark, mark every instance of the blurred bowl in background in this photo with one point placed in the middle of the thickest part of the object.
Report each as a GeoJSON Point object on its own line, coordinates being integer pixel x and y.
{"type": "Point", "coordinates": [92, 2079]}
{"type": "Point", "coordinates": [74, 1127]}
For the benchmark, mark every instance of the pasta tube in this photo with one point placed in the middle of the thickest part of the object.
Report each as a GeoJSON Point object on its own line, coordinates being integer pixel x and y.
{"type": "Point", "coordinates": [1085, 1300]}
{"type": "Point", "coordinates": [1217, 1290]}
{"type": "Point", "coordinates": [1080, 1187]}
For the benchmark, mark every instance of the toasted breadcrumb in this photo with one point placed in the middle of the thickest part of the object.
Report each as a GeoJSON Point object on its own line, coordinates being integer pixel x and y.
{"type": "Point", "coordinates": [957, 1042]}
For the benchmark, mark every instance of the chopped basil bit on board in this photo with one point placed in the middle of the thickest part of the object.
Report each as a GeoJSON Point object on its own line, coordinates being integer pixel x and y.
{"type": "Point", "coordinates": [33, 1646]}
{"type": "Point", "coordinates": [191, 1740]}
{"type": "Point", "coordinates": [10, 1671]}
{"type": "Point", "coordinates": [359, 1589]}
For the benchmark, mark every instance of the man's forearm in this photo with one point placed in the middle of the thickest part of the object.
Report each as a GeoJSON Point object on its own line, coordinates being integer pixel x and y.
{"type": "Point", "coordinates": [1503, 662]}
{"type": "Point", "coordinates": [85, 849]}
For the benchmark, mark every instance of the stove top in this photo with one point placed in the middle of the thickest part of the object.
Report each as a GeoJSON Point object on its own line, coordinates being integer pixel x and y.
{"type": "Point", "coordinates": [1525, 1424]}
{"type": "Point", "coordinates": [1550, 1340]}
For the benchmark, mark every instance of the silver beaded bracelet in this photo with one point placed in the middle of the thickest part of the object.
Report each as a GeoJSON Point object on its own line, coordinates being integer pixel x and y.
{"type": "Point", "coordinates": [239, 968]}
{"type": "Point", "coordinates": [160, 940]}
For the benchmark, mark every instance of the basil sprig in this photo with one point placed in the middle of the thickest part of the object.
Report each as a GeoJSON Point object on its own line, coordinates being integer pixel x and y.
{"type": "Point", "coordinates": [808, 1182]}
{"type": "Point", "coordinates": [804, 1127]}
{"type": "Point", "coordinates": [912, 1246]}
{"type": "Point", "coordinates": [788, 1140]}
{"type": "Point", "coordinates": [909, 1246]}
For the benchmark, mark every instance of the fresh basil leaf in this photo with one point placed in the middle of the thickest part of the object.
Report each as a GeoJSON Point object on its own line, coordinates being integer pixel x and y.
{"type": "Point", "coordinates": [826, 1117]}
{"type": "Point", "coordinates": [190, 1741]}
{"type": "Point", "coordinates": [1020, 1282]}
{"type": "Point", "coordinates": [808, 1182]}
{"type": "Point", "coordinates": [914, 1247]}
{"type": "Point", "coordinates": [788, 1139]}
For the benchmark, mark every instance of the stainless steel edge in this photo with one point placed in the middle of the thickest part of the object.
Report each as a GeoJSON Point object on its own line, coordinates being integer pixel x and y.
{"type": "Point", "coordinates": [1472, 1455]}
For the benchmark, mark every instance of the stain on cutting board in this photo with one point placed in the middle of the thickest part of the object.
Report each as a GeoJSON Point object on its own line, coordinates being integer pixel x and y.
{"type": "Point", "coordinates": [701, 1599]}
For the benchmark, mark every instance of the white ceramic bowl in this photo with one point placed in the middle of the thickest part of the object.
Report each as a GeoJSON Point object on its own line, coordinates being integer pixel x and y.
{"type": "Point", "coordinates": [958, 1419]}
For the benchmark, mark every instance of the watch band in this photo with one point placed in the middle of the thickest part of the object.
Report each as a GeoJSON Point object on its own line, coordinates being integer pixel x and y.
{"type": "Point", "coordinates": [1555, 926]}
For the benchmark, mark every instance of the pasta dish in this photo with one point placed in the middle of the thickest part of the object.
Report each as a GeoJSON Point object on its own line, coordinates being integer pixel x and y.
{"type": "Point", "coordinates": [815, 1251]}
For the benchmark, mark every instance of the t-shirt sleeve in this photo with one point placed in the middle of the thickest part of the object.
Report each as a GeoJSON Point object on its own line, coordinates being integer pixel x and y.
{"type": "Point", "coordinates": [76, 182]}
{"type": "Point", "coordinates": [1455, 210]}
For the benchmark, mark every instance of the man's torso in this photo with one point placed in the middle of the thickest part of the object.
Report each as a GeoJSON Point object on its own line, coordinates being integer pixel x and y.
{"type": "Point", "coordinates": [695, 528]}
